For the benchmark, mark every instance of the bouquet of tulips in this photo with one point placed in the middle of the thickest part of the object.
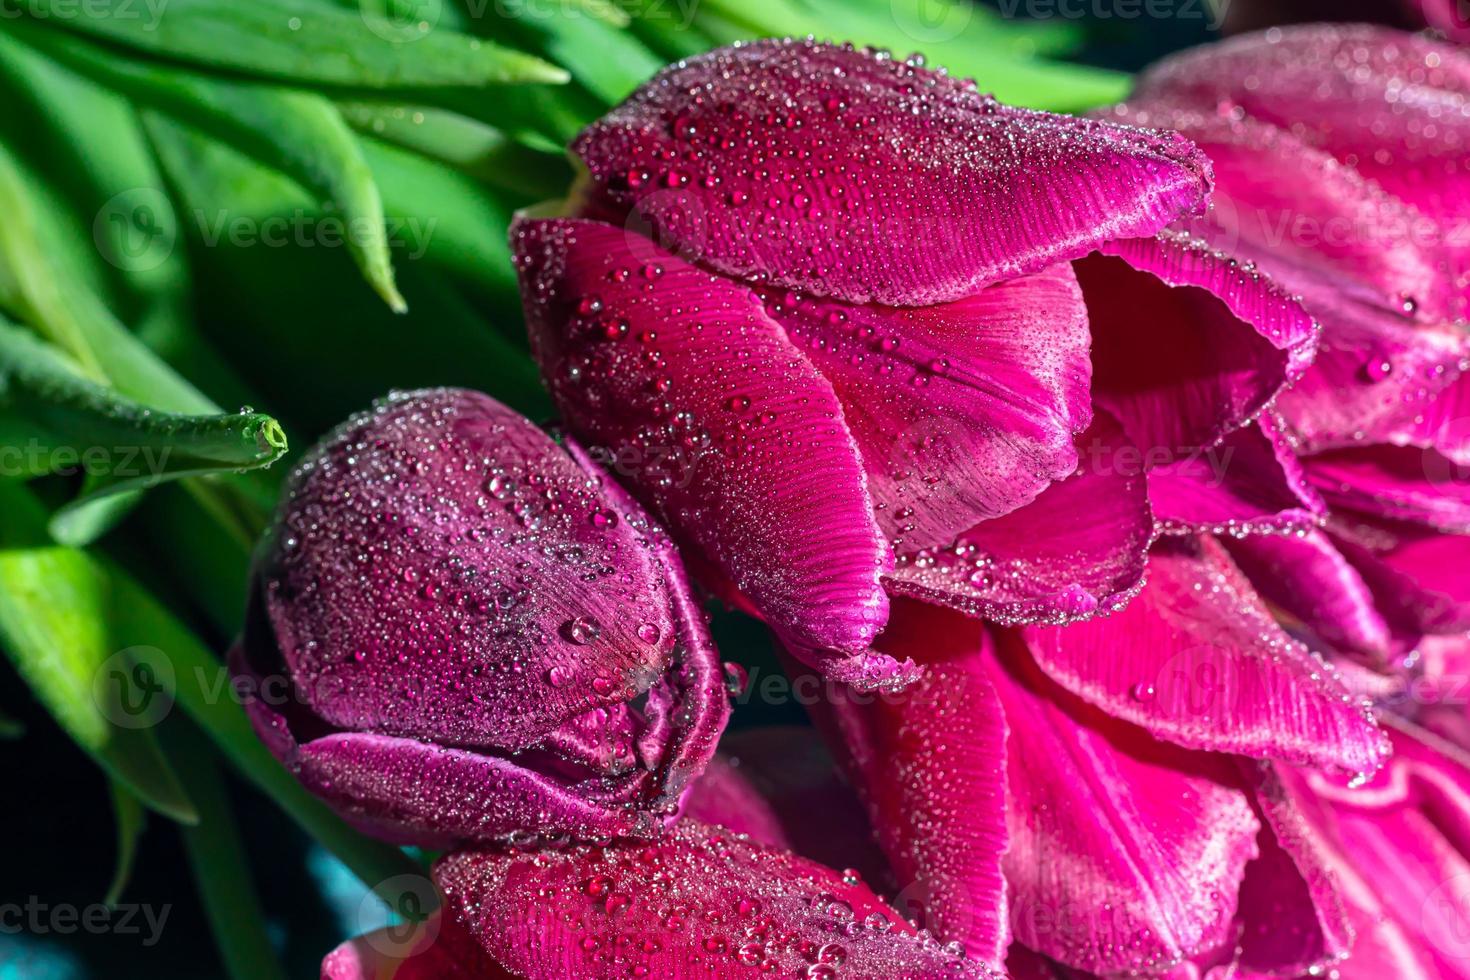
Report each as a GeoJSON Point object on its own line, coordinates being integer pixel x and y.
{"type": "Point", "coordinates": [1083, 457]}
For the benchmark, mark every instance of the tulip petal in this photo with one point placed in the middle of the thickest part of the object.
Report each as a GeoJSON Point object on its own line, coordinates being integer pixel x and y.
{"type": "Point", "coordinates": [1250, 483]}
{"type": "Point", "coordinates": [1126, 853]}
{"type": "Point", "coordinates": [709, 413]}
{"type": "Point", "coordinates": [1401, 483]}
{"type": "Point", "coordinates": [1077, 550]}
{"type": "Point", "coordinates": [963, 411]}
{"type": "Point", "coordinates": [1420, 578]}
{"type": "Point", "coordinates": [779, 785]}
{"type": "Point", "coordinates": [1309, 579]}
{"type": "Point", "coordinates": [391, 786]}
{"type": "Point", "coordinates": [1304, 216]}
{"type": "Point", "coordinates": [1391, 105]}
{"type": "Point", "coordinates": [1293, 914]}
{"type": "Point", "coordinates": [930, 763]}
{"type": "Point", "coordinates": [430, 578]}
{"type": "Point", "coordinates": [699, 902]}
{"type": "Point", "coordinates": [1197, 659]}
{"type": "Point", "coordinates": [1406, 888]}
{"type": "Point", "coordinates": [433, 950]}
{"type": "Point", "coordinates": [1187, 345]}
{"type": "Point", "coordinates": [849, 174]}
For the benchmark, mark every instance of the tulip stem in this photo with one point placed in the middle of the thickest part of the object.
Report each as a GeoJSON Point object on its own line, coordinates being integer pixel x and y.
{"type": "Point", "coordinates": [201, 686]}
{"type": "Point", "coordinates": [217, 855]}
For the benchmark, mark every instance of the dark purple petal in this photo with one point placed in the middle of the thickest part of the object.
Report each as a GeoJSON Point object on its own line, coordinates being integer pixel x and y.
{"type": "Point", "coordinates": [1187, 345]}
{"type": "Point", "coordinates": [1250, 483]}
{"type": "Point", "coordinates": [849, 174]}
{"type": "Point", "coordinates": [963, 411]}
{"type": "Point", "coordinates": [1076, 551]}
{"type": "Point", "coordinates": [930, 763]}
{"type": "Point", "coordinates": [1126, 854]}
{"type": "Point", "coordinates": [443, 570]}
{"type": "Point", "coordinates": [702, 405]}
{"type": "Point", "coordinates": [699, 902]}
{"type": "Point", "coordinates": [1197, 659]}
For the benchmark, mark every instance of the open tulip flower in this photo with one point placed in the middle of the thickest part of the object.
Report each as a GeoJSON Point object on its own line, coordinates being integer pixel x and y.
{"type": "Point", "coordinates": [853, 329]}
{"type": "Point", "coordinates": [481, 637]}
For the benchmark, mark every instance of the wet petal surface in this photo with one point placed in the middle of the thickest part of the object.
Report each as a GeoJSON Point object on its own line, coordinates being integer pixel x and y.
{"type": "Point", "coordinates": [848, 174]}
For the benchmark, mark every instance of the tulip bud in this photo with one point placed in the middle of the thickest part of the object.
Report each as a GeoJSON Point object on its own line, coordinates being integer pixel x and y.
{"type": "Point", "coordinates": [480, 637]}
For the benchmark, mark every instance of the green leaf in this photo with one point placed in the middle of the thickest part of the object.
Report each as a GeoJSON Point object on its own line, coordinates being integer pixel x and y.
{"type": "Point", "coordinates": [611, 63]}
{"type": "Point", "coordinates": [129, 818]}
{"type": "Point", "coordinates": [285, 316]}
{"type": "Point", "coordinates": [532, 169]}
{"type": "Point", "coordinates": [53, 625]}
{"type": "Point", "coordinates": [10, 728]}
{"type": "Point", "coordinates": [303, 45]}
{"type": "Point", "coordinates": [66, 310]}
{"type": "Point", "coordinates": [221, 869]}
{"type": "Point", "coordinates": [298, 133]}
{"type": "Point", "coordinates": [119, 444]}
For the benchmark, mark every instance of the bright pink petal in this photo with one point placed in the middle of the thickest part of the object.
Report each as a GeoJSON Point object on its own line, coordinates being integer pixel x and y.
{"type": "Point", "coordinates": [1126, 853]}
{"type": "Point", "coordinates": [701, 404]}
{"type": "Point", "coordinates": [435, 949]}
{"type": "Point", "coordinates": [1290, 906]}
{"type": "Point", "coordinates": [1197, 659]}
{"type": "Point", "coordinates": [1303, 215]}
{"type": "Point", "coordinates": [1076, 551]}
{"type": "Point", "coordinates": [1306, 577]}
{"type": "Point", "coordinates": [1250, 483]}
{"type": "Point", "coordinates": [1420, 578]}
{"type": "Point", "coordinates": [443, 570]}
{"type": "Point", "coordinates": [1400, 483]}
{"type": "Point", "coordinates": [1388, 104]}
{"type": "Point", "coordinates": [850, 174]}
{"type": "Point", "coordinates": [1187, 345]}
{"type": "Point", "coordinates": [930, 763]}
{"type": "Point", "coordinates": [1406, 887]}
{"type": "Point", "coordinates": [699, 902]}
{"type": "Point", "coordinates": [963, 411]}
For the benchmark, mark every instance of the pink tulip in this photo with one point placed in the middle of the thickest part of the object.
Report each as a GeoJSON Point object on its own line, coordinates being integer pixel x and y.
{"type": "Point", "coordinates": [847, 326]}
{"type": "Point", "coordinates": [451, 623]}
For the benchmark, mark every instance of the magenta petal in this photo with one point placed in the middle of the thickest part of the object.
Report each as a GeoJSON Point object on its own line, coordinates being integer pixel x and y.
{"type": "Point", "coordinates": [1251, 482]}
{"type": "Point", "coordinates": [699, 902]}
{"type": "Point", "coordinates": [963, 411]}
{"type": "Point", "coordinates": [1291, 908]}
{"type": "Point", "coordinates": [1305, 216]}
{"type": "Point", "coordinates": [1126, 853]}
{"type": "Point", "coordinates": [850, 174]}
{"type": "Point", "coordinates": [433, 950]}
{"type": "Point", "coordinates": [1309, 579]}
{"type": "Point", "coordinates": [930, 763]}
{"type": "Point", "coordinates": [1400, 483]}
{"type": "Point", "coordinates": [1388, 104]}
{"type": "Point", "coordinates": [1076, 551]}
{"type": "Point", "coordinates": [1187, 345]}
{"type": "Point", "coordinates": [1197, 659]}
{"type": "Point", "coordinates": [702, 405]}
{"type": "Point", "coordinates": [1420, 578]}
{"type": "Point", "coordinates": [434, 544]}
